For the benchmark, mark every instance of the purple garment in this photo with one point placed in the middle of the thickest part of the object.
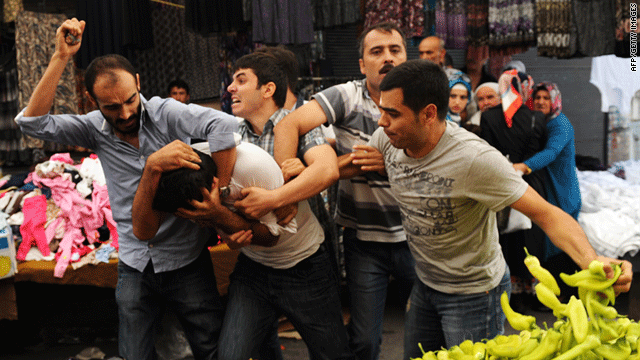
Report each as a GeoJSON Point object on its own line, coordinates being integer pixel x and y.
{"type": "Point", "coordinates": [451, 23]}
{"type": "Point", "coordinates": [282, 21]}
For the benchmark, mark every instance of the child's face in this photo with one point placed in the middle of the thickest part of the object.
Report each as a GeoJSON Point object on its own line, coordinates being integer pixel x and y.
{"type": "Point", "coordinates": [458, 100]}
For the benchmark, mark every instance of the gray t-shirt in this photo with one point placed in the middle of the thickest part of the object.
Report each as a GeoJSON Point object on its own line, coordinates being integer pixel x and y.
{"type": "Point", "coordinates": [448, 201]}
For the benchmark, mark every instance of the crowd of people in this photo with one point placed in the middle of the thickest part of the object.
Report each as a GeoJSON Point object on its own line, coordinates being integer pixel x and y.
{"type": "Point", "coordinates": [419, 187]}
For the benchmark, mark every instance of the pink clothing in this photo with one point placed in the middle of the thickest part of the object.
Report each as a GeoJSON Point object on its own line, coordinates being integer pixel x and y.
{"type": "Point", "coordinates": [79, 213]}
{"type": "Point", "coordinates": [32, 228]}
{"type": "Point", "coordinates": [62, 157]}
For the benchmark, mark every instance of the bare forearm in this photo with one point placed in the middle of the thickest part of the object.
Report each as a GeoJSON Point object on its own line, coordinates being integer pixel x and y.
{"type": "Point", "coordinates": [145, 220]}
{"type": "Point", "coordinates": [231, 222]}
{"type": "Point", "coordinates": [347, 168]}
{"type": "Point", "coordinates": [225, 160]}
{"type": "Point", "coordinates": [42, 97]}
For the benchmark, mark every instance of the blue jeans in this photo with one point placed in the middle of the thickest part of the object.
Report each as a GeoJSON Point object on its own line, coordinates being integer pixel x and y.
{"type": "Point", "coordinates": [369, 265]}
{"type": "Point", "coordinates": [436, 320]}
{"type": "Point", "coordinates": [191, 292]}
{"type": "Point", "coordinates": [307, 294]}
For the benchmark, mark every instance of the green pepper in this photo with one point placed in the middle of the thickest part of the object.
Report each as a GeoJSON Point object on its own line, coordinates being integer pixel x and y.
{"type": "Point", "coordinates": [547, 346]}
{"type": "Point", "coordinates": [516, 320]}
{"type": "Point", "coordinates": [510, 348]}
{"type": "Point", "coordinates": [609, 330]}
{"type": "Point", "coordinates": [596, 284]}
{"type": "Point", "coordinates": [608, 312]}
{"type": "Point", "coordinates": [618, 351]}
{"type": "Point", "coordinates": [577, 315]}
{"type": "Point", "coordinates": [590, 343]}
{"type": "Point", "coordinates": [543, 275]}
{"type": "Point", "coordinates": [549, 299]}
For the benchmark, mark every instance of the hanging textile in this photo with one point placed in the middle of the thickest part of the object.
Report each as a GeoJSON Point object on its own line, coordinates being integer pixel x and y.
{"type": "Point", "coordinates": [184, 54]}
{"type": "Point", "coordinates": [207, 17]}
{"type": "Point", "coordinates": [10, 151]}
{"type": "Point", "coordinates": [429, 18]}
{"type": "Point", "coordinates": [553, 27]}
{"type": "Point", "coordinates": [330, 13]}
{"type": "Point", "coordinates": [451, 23]}
{"type": "Point", "coordinates": [595, 26]}
{"type": "Point", "coordinates": [408, 15]}
{"type": "Point", "coordinates": [232, 47]}
{"type": "Point", "coordinates": [623, 28]}
{"type": "Point", "coordinates": [35, 44]}
{"type": "Point", "coordinates": [102, 34]}
{"type": "Point", "coordinates": [477, 23]}
{"type": "Point", "coordinates": [511, 26]}
{"type": "Point", "coordinates": [282, 21]}
{"type": "Point", "coordinates": [11, 9]}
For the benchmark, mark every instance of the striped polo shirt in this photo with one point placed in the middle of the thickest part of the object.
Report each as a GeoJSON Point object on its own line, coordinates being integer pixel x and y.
{"type": "Point", "coordinates": [365, 203]}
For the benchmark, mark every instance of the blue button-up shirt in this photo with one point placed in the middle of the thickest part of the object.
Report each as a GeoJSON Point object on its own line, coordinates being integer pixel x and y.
{"type": "Point", "coordinates": [178, 241]}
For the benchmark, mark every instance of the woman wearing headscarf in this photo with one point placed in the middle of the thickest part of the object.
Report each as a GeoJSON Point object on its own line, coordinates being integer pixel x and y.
{"type": "Point", "coordinates": [559, 159]}
{"type": "Point", "coordinates": [518, 133]}
{"type": "Point", "coordinates": [460, 90]}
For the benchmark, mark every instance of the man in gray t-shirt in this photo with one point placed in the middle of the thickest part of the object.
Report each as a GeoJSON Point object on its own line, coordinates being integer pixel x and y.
{"type": "Point", "coordinates": [449, 183]}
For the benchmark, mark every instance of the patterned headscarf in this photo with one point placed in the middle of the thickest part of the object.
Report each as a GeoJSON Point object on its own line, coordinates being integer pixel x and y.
{"type": "Point", "coordinates": [459, 77]}
{"type": "Point", "coordinates": [463, 79]}
{"type": "Point", "coordinates": [556, 98]}
{"type": "Point", "coordinates": [515, 89]}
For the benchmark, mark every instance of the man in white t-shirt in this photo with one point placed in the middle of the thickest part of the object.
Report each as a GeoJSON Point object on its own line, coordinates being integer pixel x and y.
{"type": "Point", "coordinates": [282, 270]}
{"type": "Point", "coordinates": [449, 183]}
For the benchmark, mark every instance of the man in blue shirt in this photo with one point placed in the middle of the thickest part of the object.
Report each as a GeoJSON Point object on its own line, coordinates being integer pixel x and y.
{"type": "Point", "coordinates": [173, 268]}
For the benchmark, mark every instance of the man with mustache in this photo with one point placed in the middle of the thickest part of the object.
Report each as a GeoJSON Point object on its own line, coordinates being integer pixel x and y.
{"type": "Point", "coordinates": [375, 245]}
{"type": "Point", "coordinates": [172, 268]}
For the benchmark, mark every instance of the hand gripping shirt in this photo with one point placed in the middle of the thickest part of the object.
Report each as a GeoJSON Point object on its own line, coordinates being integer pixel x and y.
{"type": "Point", "coordinates": [448, 200]}
{"type": "Point", "coordinates": [178, 242]}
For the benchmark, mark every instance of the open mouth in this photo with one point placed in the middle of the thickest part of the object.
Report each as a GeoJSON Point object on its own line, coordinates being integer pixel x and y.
{"type": "Point", "coordinates": [386, 68]}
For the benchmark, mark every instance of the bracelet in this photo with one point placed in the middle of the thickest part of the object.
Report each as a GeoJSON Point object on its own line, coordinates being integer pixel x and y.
{"type": "Point", "coordinates": [528, 170]}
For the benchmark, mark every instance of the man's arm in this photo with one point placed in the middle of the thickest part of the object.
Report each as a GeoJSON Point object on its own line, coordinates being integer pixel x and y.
{"type": "Point", "coordinates": [363, 159]}
{"type": "Point", "coordinates": [42, 98]}
{"type": "Point", "coordinates": [146, 220]}
{"type": "Point", "coordinates": [295, 124]}
{"type": "Point", "coordinates": [565, 232]}
{"type": "Point", "coordinates": [225, 160]}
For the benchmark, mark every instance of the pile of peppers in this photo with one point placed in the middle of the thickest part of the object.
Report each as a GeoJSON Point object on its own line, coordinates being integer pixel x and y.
{"type": "Point", "coordinates": [588, 327]}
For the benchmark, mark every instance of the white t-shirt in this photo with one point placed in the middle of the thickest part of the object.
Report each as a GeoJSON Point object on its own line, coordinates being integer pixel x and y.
{"type": "Point", "coordinates": [255, 167]}
{"type": "Point", "coordinates": [448, 200]}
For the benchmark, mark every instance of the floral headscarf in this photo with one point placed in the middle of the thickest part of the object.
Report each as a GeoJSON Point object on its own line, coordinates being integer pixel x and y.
{"type": "Point", "coordinates": [556, 98]}
{"type": "Point", "coordinates": [515, 89]}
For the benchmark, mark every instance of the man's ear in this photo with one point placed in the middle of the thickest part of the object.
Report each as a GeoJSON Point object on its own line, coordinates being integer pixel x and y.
{"type": "Point", "coordinates": [268, 89]}
{"type": "Point", "coordinates": [138, 82]}
{"type": "Point", "coordinates": [362, 69]}
{"type": "Point", "coordinates": [91, 99]}
{"type": "Point", "coordinates": [429, 113]}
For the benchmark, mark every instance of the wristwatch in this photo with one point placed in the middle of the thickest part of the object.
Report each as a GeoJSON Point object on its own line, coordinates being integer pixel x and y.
{"type": "Point", "coordinates": [224, 191]}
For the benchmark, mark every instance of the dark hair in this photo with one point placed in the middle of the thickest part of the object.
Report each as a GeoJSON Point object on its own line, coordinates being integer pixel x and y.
{"type": "Point", "coordinates": [106, 64]}
{"type": "Point", "coordinates": [287, 61]}
{"type": "Point", "coordinates": [180, 84]}
{"type": "Point", "coordinates": [422, 82]}
{"type": "Point", "coordinates": [448, 60]}
{"type": "Point", "coordinates": [387, 27]}
{"type": "Point", "coordinates": [266, 69]}
{"type": "Point", "coordinates": [178, 186]}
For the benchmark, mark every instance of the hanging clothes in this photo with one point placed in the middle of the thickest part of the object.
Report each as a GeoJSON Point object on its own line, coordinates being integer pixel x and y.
{"type": "Point", "coordinates": [282, 21]}
{"type": "Point", "coordinates": [11, 9]}
{"type": "Point", "coordinates": [595, 27]}
{"type": "Point", "coordinates": [429, 18]}
{"type": "Point", "coordinates": [623, 28]}
{"type": "Point", "coordinates": [185, 54]}
{"type": "Point", "coordinates": [35, 44]}
{"type": "Point", "coordinates": [330, 13]}
{"type": "Point", "coordinates": [11, 153]}
{"type": "Point", "coordinates": [477, 24]}
{"type": "Point", "coordinates": [511, 26]}
{"type": "Point", "coordinates": [408, 15]}
{"type": "Point", "coordinates": [451, 23]}
{"type": "Point", "coordinates": [207, 17]}
{"type": "Point", "coordinates": [553, 27]}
